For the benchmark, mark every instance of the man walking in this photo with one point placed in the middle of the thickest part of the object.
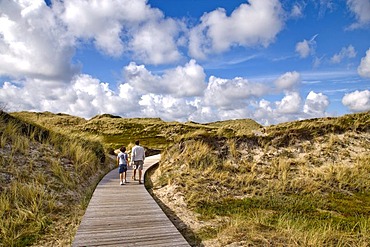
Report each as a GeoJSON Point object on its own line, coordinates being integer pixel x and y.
{"type": "Point", "coordinates": [137, 158]}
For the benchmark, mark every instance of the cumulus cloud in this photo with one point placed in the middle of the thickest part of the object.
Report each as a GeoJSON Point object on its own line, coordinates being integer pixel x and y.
{"type": "Point", "coordinates": [361, 10]}
{"type": "Point", "coordinates": [306, 47]}
{"type": "Point", "coordinates": [346, 52]}
{"type": "Point", "coordinates": [290, 104]}
{"type": "Point", "coordinates": [357, 101]}
{"type": "Point", "coordinates": [167, 107]}
{"type": "Point", "coordinates": [154, 42]}
{"type": "Point", "coordinates": [33, 42]}
{"type": "Point", "coordinates": [289, 108]}
{"type": "Point", "coordinates": [316, 104]}
{"type": "Point", "coordinates": [364, 68]}
{"type": "Point", "coordinates": [38, 72]}
{"type": "Point", "coordinates": [179, 82]}
{"type": "Point", "coordinates": [288, 81]}
{"type": "Point", "coordinates": [120, 26]}
{"type": "Point", "coordinates": [85, 96]}
{"type": "Point", "coordinates": [148, 95]}
{"type": "Point", "coordinates": [254, 23]}
{"type": "Point", "coordinates": [141, 94]}
{"type": "Point", "coordinates": [230, 94]}
{"type": "Point", "coordinates": [102, 21]}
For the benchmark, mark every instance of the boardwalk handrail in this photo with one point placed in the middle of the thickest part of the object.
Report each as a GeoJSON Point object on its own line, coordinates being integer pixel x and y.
{"type": "Point", "coordinates": [126, 215]}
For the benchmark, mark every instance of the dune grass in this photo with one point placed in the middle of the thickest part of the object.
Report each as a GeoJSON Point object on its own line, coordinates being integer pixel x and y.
{"type": "Point", "coordinates": [41, 194]}
{"type": "Point", "coordinates": [304, 183]}
{"type": "Point", "coordinates": [153, 133]}
{"type": "Point", "coordinates": [308, 186]}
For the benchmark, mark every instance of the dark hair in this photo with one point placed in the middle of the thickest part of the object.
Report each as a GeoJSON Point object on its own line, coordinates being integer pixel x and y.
{"type": "Point", "coordinates": [122, 149]}
{"type": "Point", "coordinates": [137, 142]}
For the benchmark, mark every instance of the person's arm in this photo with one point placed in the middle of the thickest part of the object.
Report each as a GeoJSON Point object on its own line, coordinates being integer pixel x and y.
{"type": "Point", "coordinates": [117, 160]}
{"type": "Point", "coordinates": [132, 155]}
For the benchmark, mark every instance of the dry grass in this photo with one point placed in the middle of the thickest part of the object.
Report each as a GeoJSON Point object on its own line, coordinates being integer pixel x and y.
{"type": "Point", "coordinates": [301, 184]}
{"type": "Point", "coordinates": [40, 183]}
{"type": "Point", "coordinates": [154, 133]}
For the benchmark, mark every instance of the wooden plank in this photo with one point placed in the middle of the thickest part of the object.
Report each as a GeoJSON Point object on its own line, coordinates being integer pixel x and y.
{"type": "Point", "coordinates": [126, 215]}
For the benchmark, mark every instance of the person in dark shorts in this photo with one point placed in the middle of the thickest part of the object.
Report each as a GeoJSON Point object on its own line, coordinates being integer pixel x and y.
{"type": "Point", "coordinates": [122, 162]}
{"type": "Point", "coordinates": [137, 159]}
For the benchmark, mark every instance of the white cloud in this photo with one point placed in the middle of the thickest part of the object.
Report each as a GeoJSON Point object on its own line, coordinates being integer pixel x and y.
{"type": "Point", "coordinates": [357, 101]}
{"type": "Point", "coordinates": [290, 104]}
{"type": "Point", "coordinates": [166, 107]}
{"type": "Point", "coordinates": [288, 81]}
{"type": "Point", "coordinates": [346, 52]}
{"type": "Point", "coordinates": [178, 94]}
{"type": "Point", "coordinates": [303, 48]}
{"type": "Point", "coordinates": [33, 42]}
{"type": "Point", "coordinates": [256, 23]}
{"type": "Point", "coordinates": [147, 95]}
{"type": "Point", "coordinates": [264, 112]}
{"type": "Point", "coordinates": [123, 26]}
{"type": "Point", "coordinates": [142, 80]}
{"type": "Point", "coordinates": [143, 94]}
{"type": "Point", "coordinates": [231, 94]}
{"type": "Point", "coordinates": [102, 20]}
{"type": "Point", "coordinates": [364, 68]}
{"type": "Point", "coordinates": [316, 104]}
{"type": "Point", "coordinates": [185, 81]}
{"type": "Point", "coordinates": [306, 47]}
{"type": "Point", "coordinates": [154, 42]}
{"type": "Point", "coordinates": [38, 45]}
{"type": "Point", "coordinates": [85, 96]}
{"type": "Point", "coordinates": [288, 109]}
{"type": "Point", "coordinates": [179, 82]}
{"type": "Point", "coordinates": [297, 11]}
{"type": "Point", "coordinates": [361, 9]}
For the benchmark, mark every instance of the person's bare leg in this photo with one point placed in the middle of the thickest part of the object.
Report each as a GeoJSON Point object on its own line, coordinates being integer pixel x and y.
{"type": "Point", "coordinates": [121, 177]}
{"type": "Point", "coordinates": [140, 173]}
{"type": "Point", "coordinates": [134, 176]}
{"type": "Point", "coordinates": [125, 176]}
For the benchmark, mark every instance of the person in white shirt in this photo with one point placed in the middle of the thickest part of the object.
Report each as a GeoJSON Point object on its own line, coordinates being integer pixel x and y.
{"type": "Point", "coordinates": [137, 159]}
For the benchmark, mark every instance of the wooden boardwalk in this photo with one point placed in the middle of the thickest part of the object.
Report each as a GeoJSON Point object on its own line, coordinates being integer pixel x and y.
{"type": "Point", "coordinates": [126, 215]}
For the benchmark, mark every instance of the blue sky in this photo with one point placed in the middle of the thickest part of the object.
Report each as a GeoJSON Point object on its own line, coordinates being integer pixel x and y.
{"type": "Point", "coordinates": [269, 60]}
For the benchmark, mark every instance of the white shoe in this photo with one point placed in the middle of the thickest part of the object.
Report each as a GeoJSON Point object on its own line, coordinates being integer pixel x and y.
{"type": "Point", "coordinates": [121, 183]}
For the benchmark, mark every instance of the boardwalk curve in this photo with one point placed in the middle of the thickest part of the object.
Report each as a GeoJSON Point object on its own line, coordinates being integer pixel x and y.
{"type": "Point", "coordinates": [126, 215]}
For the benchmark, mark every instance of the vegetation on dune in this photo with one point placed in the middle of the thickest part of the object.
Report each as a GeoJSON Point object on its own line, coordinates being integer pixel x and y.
{"type": "Point", "coordinates": [50, 164]}
{"type": "Point", "coordinates": [304, 183]}
{"type": "Point", "coordinates": [46, 179]}
{"type": "Point", "coordinates": [115, 131]}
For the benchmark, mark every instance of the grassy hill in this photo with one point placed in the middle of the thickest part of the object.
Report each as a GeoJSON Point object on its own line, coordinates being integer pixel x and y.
{"type": "Point", "coordinates": [51, 163]}
{"type": "Point", "coordinates": [114, 131]}
{"type": "Point", "coordinates": [46, 180]}
{"type": "Point", "coordinates": [303, 183]}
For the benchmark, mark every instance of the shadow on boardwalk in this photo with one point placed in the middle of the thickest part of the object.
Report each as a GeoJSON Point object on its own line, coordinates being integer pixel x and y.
{"type": "Point", "coordinates": [126, 215]}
